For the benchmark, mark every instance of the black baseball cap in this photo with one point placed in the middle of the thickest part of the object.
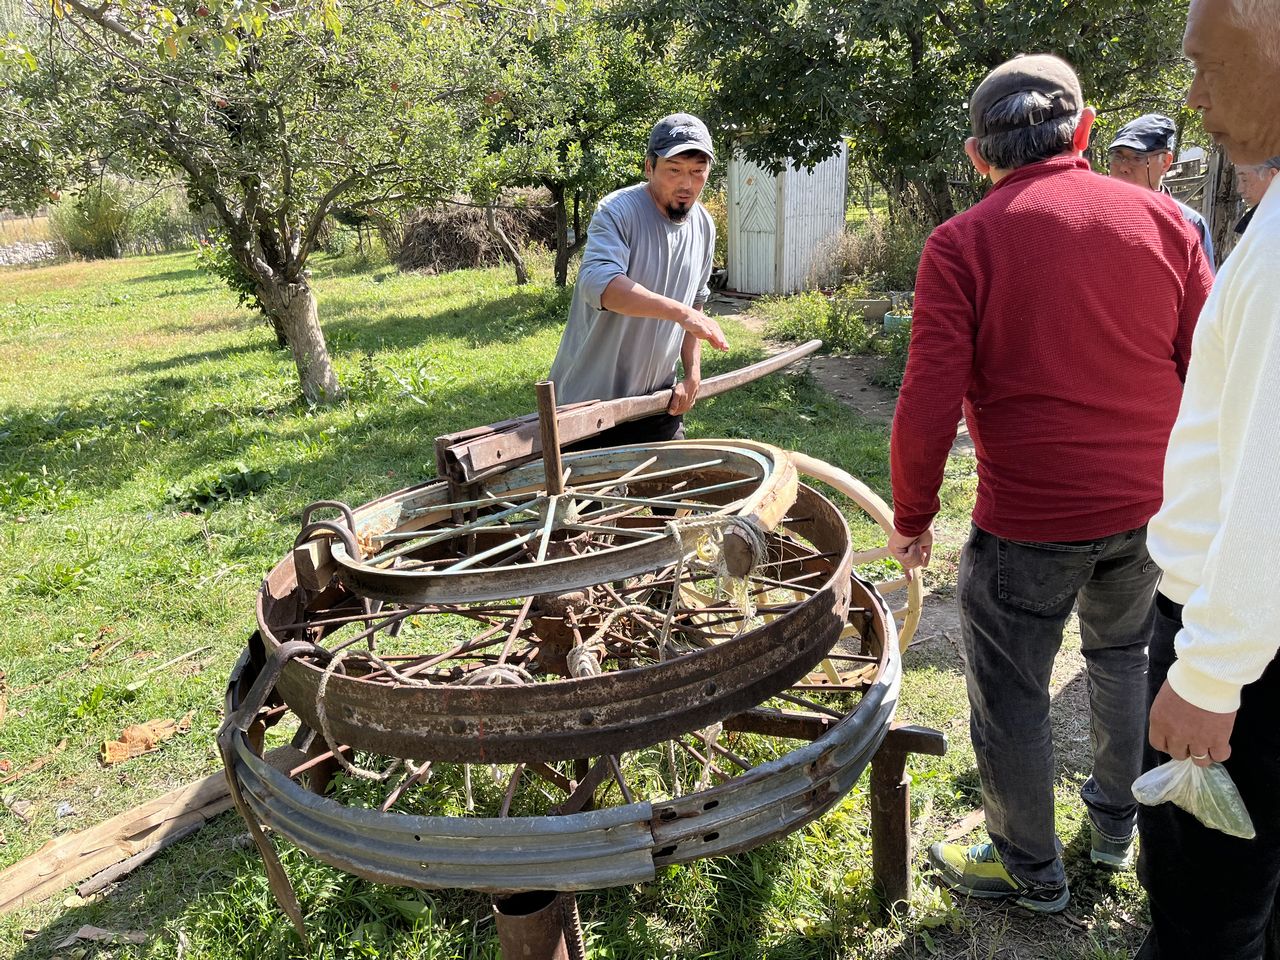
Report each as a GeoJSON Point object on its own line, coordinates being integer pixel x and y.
{"type": "Point", "coordinates": [680, 133]}
{"type": "Point", "coordinates": [1149, 133]}
{"type": "Point", "coordinates": [1041, 73]}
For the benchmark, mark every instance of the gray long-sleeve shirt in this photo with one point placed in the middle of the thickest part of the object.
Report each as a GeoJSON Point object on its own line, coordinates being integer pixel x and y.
{"type": "Point", "coordinates": [605, 355]}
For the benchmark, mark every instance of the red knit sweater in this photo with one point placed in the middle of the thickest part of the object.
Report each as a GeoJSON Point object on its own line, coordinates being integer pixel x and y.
{"type": "Point", "coordinates": [1059, 309]}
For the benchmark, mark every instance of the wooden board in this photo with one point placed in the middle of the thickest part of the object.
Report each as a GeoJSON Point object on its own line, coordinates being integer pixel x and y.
{"type": "Point", "coordinates": [73, 857]}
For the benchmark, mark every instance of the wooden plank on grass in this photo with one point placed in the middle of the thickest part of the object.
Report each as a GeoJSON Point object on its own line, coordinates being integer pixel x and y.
{"type": "Point", "coordinates": [75, 856]}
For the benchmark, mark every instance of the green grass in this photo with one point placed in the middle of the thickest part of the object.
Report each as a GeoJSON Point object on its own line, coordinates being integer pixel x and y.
{"type": "Point", "coordinates": [154, 460]}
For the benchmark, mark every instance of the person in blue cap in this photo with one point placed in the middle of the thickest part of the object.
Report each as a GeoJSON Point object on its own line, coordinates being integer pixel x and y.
{"type": "Point", "coordinates": [637, 305]}
{"type": "Point", "coordinates": [1142, 153]}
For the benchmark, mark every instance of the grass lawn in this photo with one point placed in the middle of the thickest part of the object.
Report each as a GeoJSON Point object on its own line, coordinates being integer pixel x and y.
{"type": "Point", "coordinates": [154, 459]}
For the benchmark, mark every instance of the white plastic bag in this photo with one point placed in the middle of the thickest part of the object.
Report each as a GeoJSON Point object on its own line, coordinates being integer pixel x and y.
{"type": "Point", "coordinates": [1207, 793]}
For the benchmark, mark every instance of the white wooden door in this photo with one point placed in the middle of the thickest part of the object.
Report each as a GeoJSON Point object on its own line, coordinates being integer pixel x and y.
{"type": "Point", "coordinates": [753, 227]}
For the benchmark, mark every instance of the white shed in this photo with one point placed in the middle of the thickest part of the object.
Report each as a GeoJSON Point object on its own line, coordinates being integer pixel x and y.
{"type": "Point", "coordinates": [777, 222]}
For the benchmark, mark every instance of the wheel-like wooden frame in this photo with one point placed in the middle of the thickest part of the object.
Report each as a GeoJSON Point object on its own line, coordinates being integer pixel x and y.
{"type": "Point", "coordinates": [904, 595]}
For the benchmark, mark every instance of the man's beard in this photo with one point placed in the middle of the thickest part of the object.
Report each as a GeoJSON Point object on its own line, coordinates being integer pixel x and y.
{"type": "Point", "coordinates": [677, 212]}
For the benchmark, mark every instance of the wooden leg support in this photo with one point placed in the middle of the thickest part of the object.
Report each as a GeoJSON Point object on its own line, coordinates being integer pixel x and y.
{"type": "Point", "coordinates": [891, 811]}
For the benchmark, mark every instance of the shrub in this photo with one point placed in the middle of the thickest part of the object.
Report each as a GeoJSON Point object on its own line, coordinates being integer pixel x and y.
{"type": "Point", "coordinates": [161, 219]}
{"type": "Point", "coordinates": [213, 255]}
{"type": "Point", "coordinates": [117, 216]}
{"type": "Point", "coordinates": [879, 254]}
{"type": "Point", "coordinates": [804, 316]}
{"type": "Point", "coordinates": [715, 204]}
{"type": "Point", "coordinates": [847, 327]}
{"type": "Point", "coordinates": [838, 322]}
{"type": "Point", "coordinates": [896, 346]}
{"type": "Point", "coordinates": [94, 224]}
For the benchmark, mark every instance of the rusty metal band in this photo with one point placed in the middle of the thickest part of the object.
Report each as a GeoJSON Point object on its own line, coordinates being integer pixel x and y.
{"type": "Point", "coordinates": [611, 847]}
{"type": "Point", "coordinates": [608, 713]}
{"type": "Point", "coordinates": [419, 507]}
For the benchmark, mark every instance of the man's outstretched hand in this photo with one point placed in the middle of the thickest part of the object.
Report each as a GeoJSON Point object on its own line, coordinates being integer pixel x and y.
{"type": "Point", "coordinates": [911, 552]}
{"type": "Point", "coordinates": [704, 328]}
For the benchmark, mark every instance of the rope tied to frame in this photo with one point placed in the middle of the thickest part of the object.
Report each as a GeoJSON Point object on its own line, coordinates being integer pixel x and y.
{"type": "Point", "coordinates": [711, 550]}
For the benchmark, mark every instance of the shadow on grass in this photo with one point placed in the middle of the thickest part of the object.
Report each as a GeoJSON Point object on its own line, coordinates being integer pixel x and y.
{"type": "Point", "coordinates": [354, 324]}
{"type": "Point", "coordinates": [208, 896]}
{"type": "Point", "coordinates": [100, 443]}
{"type": "Point", "coordinates": [185, 274]}
{"type": "Point", "coordinates": [196, 357]}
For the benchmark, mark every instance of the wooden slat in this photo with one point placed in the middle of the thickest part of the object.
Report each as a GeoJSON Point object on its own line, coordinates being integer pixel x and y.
{"type": "Point", "coordinates": [76, 856]}
{"type": "Point", "coordinates": [867, 556]}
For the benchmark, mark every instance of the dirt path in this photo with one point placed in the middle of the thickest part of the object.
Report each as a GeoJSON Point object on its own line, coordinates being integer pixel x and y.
{"type": "Point", "coordinates": [847, 378]}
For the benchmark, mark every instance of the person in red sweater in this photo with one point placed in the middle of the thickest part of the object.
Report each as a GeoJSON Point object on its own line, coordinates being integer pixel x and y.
{"type": "Point", "coordinates": [1057, 314]}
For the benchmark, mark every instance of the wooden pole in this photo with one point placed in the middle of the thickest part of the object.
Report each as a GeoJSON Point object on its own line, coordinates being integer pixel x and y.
{"type": "Point", "coordinates": [550, 429]}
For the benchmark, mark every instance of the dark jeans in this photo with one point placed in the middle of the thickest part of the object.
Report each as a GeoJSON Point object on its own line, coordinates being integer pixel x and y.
{"type": "Point", "coordinates": [656, 429]}
{"type": "Point", "coordinates": [1212, 895]}
{"type": "Point", "coordinates": [1015, 598]}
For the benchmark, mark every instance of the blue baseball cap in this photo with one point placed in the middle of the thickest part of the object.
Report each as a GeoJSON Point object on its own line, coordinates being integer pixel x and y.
{"type": "Point", "coordinates": [680, 133]}
{"type": "Point", "coordinates": [1149, 133]}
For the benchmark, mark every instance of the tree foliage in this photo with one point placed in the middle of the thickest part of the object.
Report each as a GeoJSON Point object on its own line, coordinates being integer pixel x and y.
{"type": "Point", "coordinates": [894, 76]}
{"type": "Point", "coordinates": [572, 111]}
{"type": "Point", "coordinates": [273, 112]}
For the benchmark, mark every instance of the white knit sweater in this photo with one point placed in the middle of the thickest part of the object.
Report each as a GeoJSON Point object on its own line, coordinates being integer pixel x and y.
{"type": "Point", "coordinates": [1217, 537]}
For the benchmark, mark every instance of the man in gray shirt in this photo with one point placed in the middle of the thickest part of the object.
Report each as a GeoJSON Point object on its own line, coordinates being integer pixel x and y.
{"type": "Point", "coordinates": [637, 305]}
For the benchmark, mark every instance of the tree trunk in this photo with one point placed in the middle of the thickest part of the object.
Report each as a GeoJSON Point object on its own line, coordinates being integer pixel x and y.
{"type": "Point", "coordinates": [282, 338]}
{"type": "Point", "coordinates": [935, 196]}
{"type": "Point", "coordinates": [504, 243]}
{"type": "Point", "coordinates": [562, 235]}
{"type": "Point", "coordinates": [293, 307]}
{"type": "Point", "coordinates": [1220, 203]}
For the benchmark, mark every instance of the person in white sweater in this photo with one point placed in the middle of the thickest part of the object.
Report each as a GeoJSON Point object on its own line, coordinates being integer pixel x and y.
{"type": "Point", "coordinates": [1214, 673]}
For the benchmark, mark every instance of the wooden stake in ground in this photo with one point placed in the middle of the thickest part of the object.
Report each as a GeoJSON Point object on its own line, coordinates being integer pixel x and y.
{"type": "Point", "coordinates": [159, 822]}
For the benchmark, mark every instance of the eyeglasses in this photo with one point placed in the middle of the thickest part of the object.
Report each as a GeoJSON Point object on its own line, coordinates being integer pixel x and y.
{"type": "Point", "coordinates": [1128, 160]}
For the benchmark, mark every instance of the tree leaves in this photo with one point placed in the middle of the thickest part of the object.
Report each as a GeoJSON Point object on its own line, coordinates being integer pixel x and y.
{"type": "Point", "coordinates": [895, 74]}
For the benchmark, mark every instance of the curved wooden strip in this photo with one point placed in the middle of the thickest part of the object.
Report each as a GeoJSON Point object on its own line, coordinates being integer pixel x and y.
{"type": "Point", "coordinates": [872, 505]}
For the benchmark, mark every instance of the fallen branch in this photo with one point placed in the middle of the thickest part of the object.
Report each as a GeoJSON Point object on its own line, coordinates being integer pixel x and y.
{"type": "Point", "coordinates": [143, 677]}
{"type": "Point", "coordinates": [88, 934]}
{"type": "Point", "coordinates": [965, 825]}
